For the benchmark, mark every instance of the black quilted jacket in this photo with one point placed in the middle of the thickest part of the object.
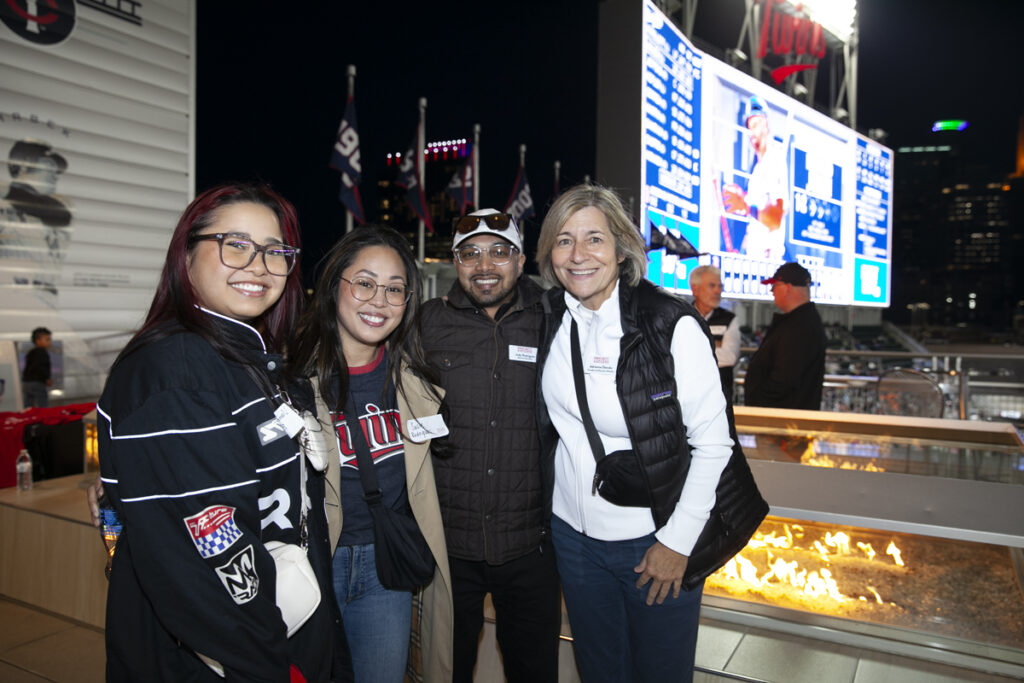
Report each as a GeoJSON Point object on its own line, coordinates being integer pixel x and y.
{"type": "Point", "coordinates": [490, 487]}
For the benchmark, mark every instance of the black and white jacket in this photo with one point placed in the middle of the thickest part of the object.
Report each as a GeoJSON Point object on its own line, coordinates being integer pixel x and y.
{"type": "Point", "coordinates": [202, 475]}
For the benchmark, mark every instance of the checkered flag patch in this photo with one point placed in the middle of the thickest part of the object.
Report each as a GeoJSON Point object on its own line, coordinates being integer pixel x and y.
{"type": "Point", "coordinates": [213, 530]}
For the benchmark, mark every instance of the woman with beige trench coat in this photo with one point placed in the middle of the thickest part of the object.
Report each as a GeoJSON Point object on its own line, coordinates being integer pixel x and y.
{"type": "Point", "coordinates": [359, 340]}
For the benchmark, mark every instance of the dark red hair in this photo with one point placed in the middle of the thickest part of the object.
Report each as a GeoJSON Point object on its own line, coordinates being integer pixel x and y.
{"type": "Point", "coordinates": [176, 299]}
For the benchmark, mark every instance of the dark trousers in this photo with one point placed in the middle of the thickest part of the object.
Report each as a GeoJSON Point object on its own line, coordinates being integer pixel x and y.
{"type": "Point", "coordinates": [528, 612]}
{"type": "Point", "coordinates": [36, 394]}
{"type": "Point", "coordinates": [617, 636]}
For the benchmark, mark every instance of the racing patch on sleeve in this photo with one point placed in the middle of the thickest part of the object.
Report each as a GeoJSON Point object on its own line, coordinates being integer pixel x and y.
{"type": "Point", "coordinates": [239, 576]}
{"type": "Point", "coordinates": [213, 530]}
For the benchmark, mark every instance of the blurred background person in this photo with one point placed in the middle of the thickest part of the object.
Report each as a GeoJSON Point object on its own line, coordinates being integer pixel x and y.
{"type": "Point", "coordinates": [706, 285]}
{"type": "Point", "coordinates": [788, 368]}
{"type": "Point", "coordinates": [35, 378]}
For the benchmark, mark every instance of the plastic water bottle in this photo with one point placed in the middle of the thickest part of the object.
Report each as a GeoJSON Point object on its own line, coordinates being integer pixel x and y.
{"type": "Point", "coordinates": [110, 529]}
{"type": "Point", "coordinates": [24, 467]}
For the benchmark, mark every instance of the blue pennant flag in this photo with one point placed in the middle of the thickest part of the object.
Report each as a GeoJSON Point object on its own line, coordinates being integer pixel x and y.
{"type": "Point", "coordinates": [520, 202]}
{"type": "Point", "coordinates": [460, 188]}
{"type": "Point", "coordinates": [409, 178]}
{"type": "Point", "coordinates": [345, 159]}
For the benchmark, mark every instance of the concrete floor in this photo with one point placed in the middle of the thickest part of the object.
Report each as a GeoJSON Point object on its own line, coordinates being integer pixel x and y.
{"type": "Point", "coordinates": [40, 647]}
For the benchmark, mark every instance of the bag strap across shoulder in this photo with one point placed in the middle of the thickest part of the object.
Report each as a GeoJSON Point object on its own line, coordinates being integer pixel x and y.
{"type": "Point", "coordinates": [367, 476]}
{"type": "Point", "coordinates": [596, 447]}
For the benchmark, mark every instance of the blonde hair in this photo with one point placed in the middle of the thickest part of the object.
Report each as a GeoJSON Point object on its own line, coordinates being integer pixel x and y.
{"type": "Point", "coordinates": [628, 242]}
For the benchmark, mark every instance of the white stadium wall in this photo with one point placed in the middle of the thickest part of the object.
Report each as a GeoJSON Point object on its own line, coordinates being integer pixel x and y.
{"type": "Point", "coordinates": [96, 134]}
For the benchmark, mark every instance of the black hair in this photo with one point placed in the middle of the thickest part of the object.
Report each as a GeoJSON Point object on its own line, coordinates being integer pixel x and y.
{"type": "Point", "coordinates": [39, 332]}
{"type": "Point", "coordinates": [317, 349]}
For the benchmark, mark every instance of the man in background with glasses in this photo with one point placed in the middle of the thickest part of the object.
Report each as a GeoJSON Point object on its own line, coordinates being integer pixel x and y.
{"type": "Point", "coordinates": [482, 338]}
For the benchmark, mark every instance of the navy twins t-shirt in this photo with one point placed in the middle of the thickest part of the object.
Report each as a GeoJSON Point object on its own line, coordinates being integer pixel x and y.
{"type": "Point", "coordinates": [381, 424]}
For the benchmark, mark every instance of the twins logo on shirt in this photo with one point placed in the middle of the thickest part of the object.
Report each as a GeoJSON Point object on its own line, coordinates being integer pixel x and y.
{"type": "Point", "coordinates": [213, 530]}
{"type": "Point", "coordinates": [383, 431]}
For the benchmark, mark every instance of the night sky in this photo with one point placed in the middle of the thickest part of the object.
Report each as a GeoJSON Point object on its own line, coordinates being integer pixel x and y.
{"type": "Point", "coordinates": [272, 86]}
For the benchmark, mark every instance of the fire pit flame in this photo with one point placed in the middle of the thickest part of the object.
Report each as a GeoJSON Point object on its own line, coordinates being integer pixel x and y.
{"type": "Point", "coordinates": [821, 586]}
{"type": "Point", "coordinates": [895, 552]}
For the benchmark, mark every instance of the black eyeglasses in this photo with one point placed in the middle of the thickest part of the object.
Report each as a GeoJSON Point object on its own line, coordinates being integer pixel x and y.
{"type": "Point", "coordinates": [498, 222]}
{"type": "Point", "coordinates": [238, 251]}
{"type": "Point", "coordinates": [364, 289]}
{"type": "Point", "coordinates": [500, 254]}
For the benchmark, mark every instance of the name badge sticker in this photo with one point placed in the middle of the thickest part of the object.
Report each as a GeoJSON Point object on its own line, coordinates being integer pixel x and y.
{"type": "Point", "coordinates": [527, 354]}
{"type": "Point", "coordinates": [426, 428]}
{"type": "Point", "coordinates": [289, 419]}
{"type": "Point", "coordinates": [718, 329]}
{"type": "Point", "coordinates": [599, 365]}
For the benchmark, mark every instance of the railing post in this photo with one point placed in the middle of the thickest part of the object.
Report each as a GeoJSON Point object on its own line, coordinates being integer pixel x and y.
{"type": "Point", "coordinates": [963, 395]}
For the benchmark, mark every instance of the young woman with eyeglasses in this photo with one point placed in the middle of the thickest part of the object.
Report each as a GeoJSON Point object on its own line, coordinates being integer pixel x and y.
{"type": "Point", "coordinates": [360, 341]}
{"type": "Point", "coordinates": [198, 465]}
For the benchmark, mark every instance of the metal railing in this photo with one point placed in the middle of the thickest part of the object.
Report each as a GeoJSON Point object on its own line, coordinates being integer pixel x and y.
{"type": "Point", "coordinates": [975, 386]}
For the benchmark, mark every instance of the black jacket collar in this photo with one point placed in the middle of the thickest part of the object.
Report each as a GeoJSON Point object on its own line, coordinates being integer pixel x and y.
{"type": "Point", "coordinates": [243, 335]}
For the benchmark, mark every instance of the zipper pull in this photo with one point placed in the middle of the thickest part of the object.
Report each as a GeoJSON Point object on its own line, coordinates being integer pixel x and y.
{"type": "Point", "coordinates": [593, 491]}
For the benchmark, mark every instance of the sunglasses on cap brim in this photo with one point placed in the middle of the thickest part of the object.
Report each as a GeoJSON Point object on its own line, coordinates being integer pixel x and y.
{"type": "Point", "coordinates": [498, 222]}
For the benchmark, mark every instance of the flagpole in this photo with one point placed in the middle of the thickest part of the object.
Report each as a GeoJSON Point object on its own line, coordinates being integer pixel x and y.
{"type": "Point", "coordinates": [476, 166]}
{"type": "Point", "coordinates": [421, 143]}
{"type": "Point", "coordinates": [351, 93]}
{"type": "Point", "coordinates": [522, 156]}
{"type": "Point", "coordinates": [558, 172]}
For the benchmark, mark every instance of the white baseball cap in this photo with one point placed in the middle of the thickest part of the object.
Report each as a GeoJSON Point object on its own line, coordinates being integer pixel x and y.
{"type": "Point", "coordinates": [486, 222]}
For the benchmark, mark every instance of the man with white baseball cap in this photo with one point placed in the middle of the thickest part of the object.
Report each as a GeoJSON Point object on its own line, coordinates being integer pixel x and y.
{"type": "Point", "coordinates": [482, 338]}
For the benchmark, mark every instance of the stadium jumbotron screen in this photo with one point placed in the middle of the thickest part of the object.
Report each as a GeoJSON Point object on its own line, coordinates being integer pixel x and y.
{"type": "Point", "coordinates": [753, 178]}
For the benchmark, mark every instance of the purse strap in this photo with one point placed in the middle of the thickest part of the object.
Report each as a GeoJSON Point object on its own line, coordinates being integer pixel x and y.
{"type": "Point", "coordinates": [367, 476]}
{"type": "Point", "coordinates": [596, 447]}
{"type": "Point", "coordinates": [277, 399]}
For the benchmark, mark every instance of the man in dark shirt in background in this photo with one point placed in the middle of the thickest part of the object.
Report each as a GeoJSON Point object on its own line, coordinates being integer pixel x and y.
{"type": "Point", "coordinates": [788, 369]}
{"type": "Point", "coordinates": [35, 380]}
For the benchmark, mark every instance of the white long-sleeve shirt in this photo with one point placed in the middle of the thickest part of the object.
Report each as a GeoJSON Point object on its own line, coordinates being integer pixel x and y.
{"type": "Point", "coordinates": [699, 392]}
{"type": "Point", "coordinates": [728, 351]}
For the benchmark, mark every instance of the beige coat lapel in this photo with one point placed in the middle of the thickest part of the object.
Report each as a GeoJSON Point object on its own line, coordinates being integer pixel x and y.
{"type": "Point", "coordinates": [332, 498]}
{"type": "Point", "coordinates": [436, 618]}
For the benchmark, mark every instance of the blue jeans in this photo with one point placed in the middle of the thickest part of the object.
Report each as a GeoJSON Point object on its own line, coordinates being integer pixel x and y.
{"type": "Point", "coordinates": [617, 637]}
{"type": "Point", "coordinates": [377, 620]}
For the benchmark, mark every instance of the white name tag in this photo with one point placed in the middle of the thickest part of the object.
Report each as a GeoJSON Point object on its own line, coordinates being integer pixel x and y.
{"type": "Point", "coordinates": [289, 419]}
{"type": "Point", "coordinates": [718, 329]}
{"type": "Point", "coordinates": [527, 354]}
{"type": "Point", "coordinates": [599, 365]}
{"type": "Point", "coordinates": [426, 428]}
